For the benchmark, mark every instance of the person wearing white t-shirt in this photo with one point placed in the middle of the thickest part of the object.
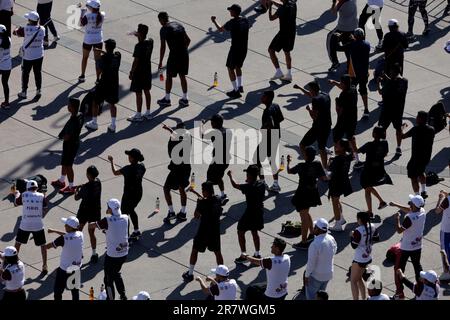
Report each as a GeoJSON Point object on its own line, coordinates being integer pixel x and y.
{"type": "Point", "coordinates": [44, 8]}
{"type": "Point", "coordinates": [6, 12]}
{"type": "Point", "coordinates": [33, 52]}
{"type": "Point", "coordinates": [411, 243]}
{"type": "Point", "coordinates": [374, 288]}
{"type": "Point", "coordinates": [116, 230]}
{"type": "Point", "coordinates": [222, 287]}
{"type": "Point", "coordinates": [443, 207]}
{"type": "Point", "coordinates": [5, 63]}
{"type": "Point", "coordinates": [92, 20]}
{"type": "Point", "coordinates": [373, 10]}
{"type": "Point", "coordinates": [277, 272]}
{"type": "Point", "coordinates": [71, 242]}
{"type": "Point", "coordinates": [13, 275]}
{"type": "Point", "coordinates": [34, 208]}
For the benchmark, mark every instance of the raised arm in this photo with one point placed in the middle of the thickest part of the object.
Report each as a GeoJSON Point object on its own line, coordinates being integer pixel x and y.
{"type": "Point", "coordinates": [113, 169]}
{"type": "Point", "coordinates": [233, 183]}
{"type": "Point", "coordinates": [218, 26]}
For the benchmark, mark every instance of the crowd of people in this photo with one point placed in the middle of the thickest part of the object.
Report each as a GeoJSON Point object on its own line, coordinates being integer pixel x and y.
{"type": "Point", "coordinates": [334, 168]}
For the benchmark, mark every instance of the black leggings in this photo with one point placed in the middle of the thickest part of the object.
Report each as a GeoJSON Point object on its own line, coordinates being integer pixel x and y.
{"type": "Point", "coordinates": [337, 38]}
{"type": "Point", "coordinates": [44, 11]}
{"type": "Point", "coordinates": [128, 207]}
{"type": "Point", "coordinates": [413, 5]}
{"type": "Point", "coordinates": [36, 65]}
{"type": "Point", "coordinates": [61, 284]}
{"type": "Point", "coordinates": [5, 79]}
{"type": "Point", "coordinates": [415, 259]}
{"type": "Point", "coordinates": [113, 277]}
{"type": "Point", "coordinates": [366, 14]}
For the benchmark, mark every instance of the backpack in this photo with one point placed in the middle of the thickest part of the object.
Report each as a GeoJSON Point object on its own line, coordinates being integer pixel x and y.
{"type": "Point", "coordinates": [88, 102]}
{"type": "Point", "coordinates": [21, 184]}
{"type": "Point", "coordinates": [437, 117]}
{"type": "Point", "coordinates": [291, 229]}
{"type": "Point", "coordinates": [391, 254]}
{"type": "Point", "coordinates": [433, 179]}
{"type": "Point", "coordinates": [277, 114]}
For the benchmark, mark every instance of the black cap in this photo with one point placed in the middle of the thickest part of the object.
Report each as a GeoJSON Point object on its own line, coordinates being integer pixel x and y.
{"type": "Point", "coordinates": [236, 8]}
{"type": "Point", "coordinates": [314, 85]}
{"type": "Point", "coordinates": [110, 43]}
{"type": "Point", "coordinates": [208, 186]}
{"type": "Point", "coordinates": [136, 154]}
{"type": "Point", "coordinates": [252, 170]}
{"type": "Point", "coordinates": [142, 29]}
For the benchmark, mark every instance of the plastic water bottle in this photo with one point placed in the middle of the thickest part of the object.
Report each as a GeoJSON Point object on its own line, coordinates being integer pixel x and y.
{"type": "Point", "coordinates": [282, 163]}
{"type": "Point", "coordinates": [91, 294]}
{"type": "Point", "coordinates": [102, 294]}
{"type": "Point", "coordinates": [161, 75]}
{"type": "Point", "coordinates": [216, 80]}
{"type": "Point", "coordinates": [193, 181]}
{"type": "Point", "coordinates": [157, 205]}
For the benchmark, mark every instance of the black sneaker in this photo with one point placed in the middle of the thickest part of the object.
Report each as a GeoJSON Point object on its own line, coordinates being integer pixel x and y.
{"type": "Point", "coordinates": [310, 238]}
{"type": "Point", "coordinates": [136, 234]}
{"type": "Point", "coordinates": [256, 256]}
{"type": "Point", "coordinates": [187, 277]}
{"type": "Point", "coordinates": [94, 258]}
{"type": "Point", "coordinates": [123, 297]}
{"type": "Point", "coordinates": [183, 103]}
{"type": "Point", "coordinates": [398, 152]}
{"type": "Point", "coordinates": [260, 10]}
{"type": "Point", "coordinates": [170, 217]}
{"type": "Point", "coordinates": [233, 94]}
{"type": "Point", "coordinates": [334, 67]}
{"type": "Point", "coordinates": [240, 260]}
{"type": "Point", "coordinates": [181, 216]}
{"type": "Point", "coordinates": [164, 102]}
{"type": "Point", "coordinates": [382, 205]}
{"type": "Point", "coordinates": [301, 245]}
{"type": "Point", "coordinates": [446, 11]}
{"type": "Point", "coordinates": [224, 200]}
{"type": "Point", "coordinates": [241, 89]}
{"type": "Point", "coordinates": [426, 31]}
{"type": "Point", "coordinates": [82, 78]}
{"type": "Point", "coordinates": [424, 195]}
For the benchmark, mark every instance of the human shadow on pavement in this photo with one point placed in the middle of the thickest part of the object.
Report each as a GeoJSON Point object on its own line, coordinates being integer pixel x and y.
{"type": "Point", "coordinates": [193, 295]}
{"type": "Point", "coordinates": [9, 236]}
{"type": "Point", "coordinates": [316, 25]}
{"type": "Point", "coordinates": [440, 161]}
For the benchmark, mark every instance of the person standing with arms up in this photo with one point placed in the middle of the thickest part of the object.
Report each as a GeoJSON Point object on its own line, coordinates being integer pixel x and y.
{"type": "Point", "coordinates": [33, 52]}
{"type": "Point", "coordinates": [238, 27]}
{"type": "Point", "coordinates": [132, 188]}
{"type": "Point", "coordinates": [12, 273]}
{"type": "Point", "coordinates": [5, 64]}
{"type": "Point", "coordinates": [141, 73]}
{"type": "Point", "coordinates": [92, 21]}
{"type": "Point", "coordinates": [285, 38]}
{"type": "Point", "coordinates": [178, 61]}
{"type": "Point", "coordinates": [44, 8]}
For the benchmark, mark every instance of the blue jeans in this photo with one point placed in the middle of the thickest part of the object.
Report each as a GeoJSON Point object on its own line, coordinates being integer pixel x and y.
{"type": "Point", "coordinates": [314, 286]}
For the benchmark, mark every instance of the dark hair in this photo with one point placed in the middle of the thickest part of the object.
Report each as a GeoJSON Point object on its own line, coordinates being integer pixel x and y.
{"type": "Point", "coordinates": [92, 171]}
{"type": "Point", "coordinates": [110, 45]}
{"type": "Point", "coordinates": [422, 115]}
{"type": "Point", "coordinates": [379, 132]}
{"type": "Point", "coordinates": [12, 260]}
{"type": "Point", "coordinates": [99, 18]}
{"type": "Point", "coordinates": [142, 29]}
{"type": "Point", "coordinates": [269, 94]}
{"type": "Point", "coordinates": [396, 68]}
{"type": "Point", "coordinates": [279, 243]}
{"type": "Point", "coordinates": [163, 16]}
{"type": "Point", "coordinates": [310, 153]}
{"type": "Point", "coordinates": [75, 103]}
{"type": "Point", "coordinates": [322, 295]}
{"type": "Point", "coordinates": [345, 144]}
{"type": "Point", "coordinates": [6, 43]}
{"type": "Point", "coordinates": [364, 216]}
{"type": "Point", "coordinates": [208, 187]}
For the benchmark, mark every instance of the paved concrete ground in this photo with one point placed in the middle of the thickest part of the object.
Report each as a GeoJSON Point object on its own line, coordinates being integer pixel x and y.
{"type": "Point", "coordinates": [29, 143]}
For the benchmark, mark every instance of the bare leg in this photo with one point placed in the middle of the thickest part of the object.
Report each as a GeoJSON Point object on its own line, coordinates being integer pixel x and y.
{"type": "Point", "coordinates": [84, 61]}
{"type": "Point", "coordinates": [365, 102]}
{"type": "Point", "coordinates": [97, 56]}
{"type": "Point", "coordinates": [194, 256]}
{"type": "Point", "coordinates": [70, 174]}
{"type": "Point", "coordinates": [376, 194]}
{"type": "Point", "coordinates": [168, 196]}
{"type": "Point", "coordinates": [184, 86]}
{"type": "Point", "coordinates": [241, 238]}
{"type": "Point", "coordinates": [274, 58]}
{"type": "Point", "coordinates": [306, 220]}
{"type": "Point", "coordinates": [17, 246]}
{"type": "Point", "coordinates": [168, 84]}
{"type": "Point", "coordinates": [219, 257]}
{"type": "Point", "coordinates": [398, 135]}
{"type": "Point", "coordinates": [92, 238]}
{"type": "Point", "coordinates": [336, 208]}
{"type": "Point", "coordinates": [415, 185]}
{"type": "Point", "coordinates": [256, 240]}
{"type": "Point", "coordinates": [183, 197]}
{"type": "Point", "coordinates": [231, 74]}
{"type": "Point", "coordinates": [148, 99]}
{"type": "Point", "coordinates": [368, 196]}
{"type": "Point", "coordinates": [221, 185]}
{"type": "Point", "coordinates": [139, 101]}
{"type": "Point", "coordinates": [44, 258]}
{"type": "Point", "coordinates": [355, 278]}
{"type": "Point", "coordinates": [113, 110]}
{"type": "Point", "coordinates": [288, 60]}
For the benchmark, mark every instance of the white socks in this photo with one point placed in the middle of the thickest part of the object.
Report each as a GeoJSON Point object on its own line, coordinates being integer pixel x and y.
{"type": "Point", "coordinates": [94, 119]}
{"type": "Point", "coordinates": [222, 193]}
{"type": "Point", "coordinates": [171, 208]}
{"type": "Point", "coordinates": [191, 269]}
{"type": "Point", "coordinates": [239, 81]}
{"type": "Point", "coordinates": [113, 121]}
{"type": "Point", "coordinates": [289, 73]}
{"type": "Point", "coordinates": [183, 209]}
{"type": "Point", "coordinates": [167, 97]}
{"type": "Point", "coordinates": [235, 85]}
{"type": "Point", "coordinates": [423, 187]}
{"type": "Point", "coordinates": [257, 253]}
{"type": "Point", "coordinates": [62, 178]}
{"type": "Point", "coordinates": [185, 96]}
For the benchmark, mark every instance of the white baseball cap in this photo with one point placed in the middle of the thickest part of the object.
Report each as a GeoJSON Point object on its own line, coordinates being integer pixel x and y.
{"type": "Point", "coordinates": [71, 221]}
{"type": "Point", "coordinates": [221, 270]}
{"type": "Point", "coordinates": [417, 200]}
{"type": "Point", "coordinates": [114, 205]}
{"type": "Point", "coordinates": [31, 184]}
{"type": "Point", "coordinates": [32, 15]}
{"type": "Point", "coordinates": [322, 224]}
{"type": "Point", "coordinates": [2, 28]}
{"type": "Point", "coordinates": [429, 275]}
{"type": "Point", "coordinates": [143, 295]}
{"type": "Point", "coordinates": [10, 252]}
{"type": "Point", "coordinates": [94, 4]}
{"type": "Point", "coordinates": [393, 22]}
{"type": "Point", "coordinates": [446, 48]}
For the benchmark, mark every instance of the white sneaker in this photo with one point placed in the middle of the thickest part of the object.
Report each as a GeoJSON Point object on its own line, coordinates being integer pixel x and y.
{"type": "Point", "coordinates": [91, 125]}
{"type": "Point", "coordinates": [111, 128]}
{"type": "Point", "coordinates": [22, 95]}
{"type": "Point", "coordinates": [338, 225]}
{"type": "Point", "coordinates": [287, 78]}
{"type": "Point", "coordinates": [277, 75]}
{"type": "Point", "coordinates": [147, 115]}
{"type": "Point", "coordinates": [275, 188]}
{"type": "Point", "coordinates": [135, 118]}
{"type": "Point", "coordinates": [56, 39]}
{"type": "Point", "coordinates": [445, 276]}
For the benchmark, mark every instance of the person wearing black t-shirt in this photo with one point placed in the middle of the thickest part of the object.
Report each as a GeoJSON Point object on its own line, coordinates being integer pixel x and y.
{"type": "Point", "coordinates": [252, 219]}
{"type": "Point", "coordinates": [421, 148]}
{"type": "Point", "coordinates": [70, 134]}
{"type": "Point", "coordinates": [393, 90]}
{"type": "Point", "coordinates": [339, 183]}
{"type": "Point", "coordinates": [321, 115]}
{"type": "Point", "coordinates": [208, 233]}
{"type": "Point", "coordinates": [178, 61]}
{"type": "Point", "coordinates": [90, 208]}
{"type": "Point", "coordinates": [238, 27]}
{"type": "Point", "coordinates": [107, 88]}
{"type": "Point", "coordinates": [347, 114]}
{"type": "Point", "coordinates": [132, 188]}
{"type": "Point", "coordinates": [394, 44]}
{"type": "Point", "coordinates": [307, 194]}
{"type": "Point", "coordinates": [141, 73]}
{"type": "Point", "coordinates": [373, 173]}
{"type": "Point", "coordinates": [179, 171]}
{"type": "Point", "coordinates": [285, 38]}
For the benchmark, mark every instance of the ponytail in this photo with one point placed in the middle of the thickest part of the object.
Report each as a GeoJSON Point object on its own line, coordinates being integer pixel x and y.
{"type": "Point", "coordinates": [6, 42]}
{"type": "Point", "coordinates": [99, 17]}
{"type": "Point", "coordinates": [365, 220]}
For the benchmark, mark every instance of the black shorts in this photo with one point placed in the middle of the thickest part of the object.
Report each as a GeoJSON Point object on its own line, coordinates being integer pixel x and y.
{"type": "Point", "coordinates": [316, 134]}
{"type": "Point", "coordinates": [282, 42]}
{"type": "Point", "coordinates": [416, 167]}
{"type": "Point", "coordinates": [178, 64]}
{"type": "Point", "coordinates": [207, 241]}
{"type": "Point", "coordinates": [343, 129]}
{"type": "Point", "coordinates": [361, 82]}
{"type": "Point", "coordinates": [90, 46]}
{"type": "Point", "coordinates": [236, 58]}
{"type": "Point", "coordinates": [38, 236]}
{"type": "Point", "coordinates": [104, 93]}
{"type": "Point", "coordinates": [69, 153]}
{"type": "Point", "coordinates": [141, 82]}
{"type": "Point", "coordinates": [216, 172]}
{"type": "Point", "coordinates": [362, 264]}
{"type": "Point", "coordinates": [251, 221]}
{"type": "Point", "coordinates": [387, 117]}
{"type": "Point", "coordinates": [88, 217]}
{"type": "Point", "coordinates": [178, 178]}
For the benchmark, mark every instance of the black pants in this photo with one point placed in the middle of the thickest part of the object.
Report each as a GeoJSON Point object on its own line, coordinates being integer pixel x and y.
{"type": "Point", "coordinates": [365, 15]}
{"type": "Point", "coordinates": [44, 11]}
{"type": "Point", "coordinates": [128, 207]}
{"type": "Point", "coordinates": [36, 65]}
{"type": "Point", "coordinates": [5, 79]}
{"type": "Point", "coordinates": [14, 296]}
{"type": "Point", "coordinates": [413, 5]}
{"type": "Point", "coordinates": [5, 19]}
{"type": "Point", "coordinates": [113, 277]}
{"type": "Point", "coordinates": [415, 259]}
{"type": "Point", "coordinates": [255, 292]}
{"type": "Point", "coordinates": [337, 40]}
{"type": "Point", "coordinates": [61, 284]}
